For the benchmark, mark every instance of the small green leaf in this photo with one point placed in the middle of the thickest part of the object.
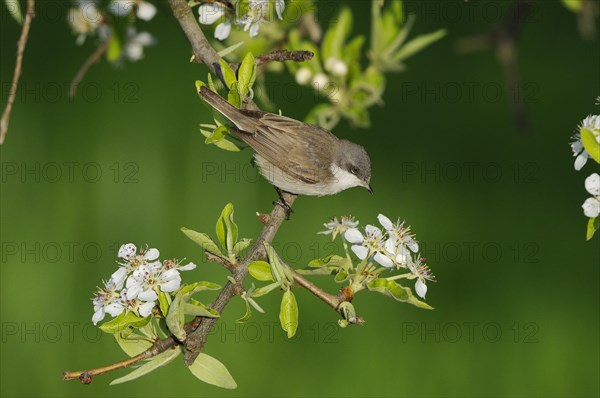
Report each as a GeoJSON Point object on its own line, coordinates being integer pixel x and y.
{"type": "Point", "coordinates": [572, 5]}
{"type": "Point", "coordinates": [14, 8]}
{"type": "Point", "coordinates": [246, 75]}
{"type": "Point", "coordinates": [247, 315]}
{"type": "Point", "coordinates": [331, 261]}
{"type": "Point", "coordinates": [115, 49]}
{"type": "Point", "coordinates": [318, 271]}
{"type": "Point", "coordinates": [217, 135]}
{"type": "Point", "coordinates": [211, 371]}
{"type": "Point", "coordinates": [260, 270]}
{"type": "Point", "coordinates": [196, 308]}
{"type": "Point", "coordinates": [164, 300]}
{"type": "Point", "coordinates": [397, 292]}
{"type": "Point", "coordinates": [255, 305]}
{"type": "Point", "coordinates": [228, 73]}
{"type": "Point", "coordinates": [176, 317]}
{"type": "Point", "coordinates": [341, 276]}
{"type": "Point", "coordinates": [261, 291]}
{"type": "Point", "coordinates": [202, 240]}
{"type": "Point", "coordinates": [230, 49]}
{"type": "Point", "coordinates": [193, 288]}
{"type": "Point", "coordinates": [417, 44]}
{"type": "Point", "coordinates": [133, 344]}
{"type": "Point", "coordinates": [288, 314]}
{"type": "Point", "coordinates": [224, 144]}
{"type": "Point", "coordinates": [199, 85]}
{"type": "Point", "coordinates": [123, 321]}
{"type": "Point", "coordinates": [158, 361]}
{"type": "Point", "coordinates": [280, 271]}
{"type": "Point", "coordinates": [592, 227]}
{"type": "Point", "coordinates": [590, 144]}
{"type": "Point", "coordinates": [233, 96]}
{"type": "Point", "coordinates": [227, 230]}
{"type": "Point", "coordinates": [333, 41]}
{"type": "Point", "coordinates": [241, 245]}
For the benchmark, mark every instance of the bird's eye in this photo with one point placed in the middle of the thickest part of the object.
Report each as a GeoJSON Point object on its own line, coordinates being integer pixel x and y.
{"type": "Point", "coordinates": [354, 170]}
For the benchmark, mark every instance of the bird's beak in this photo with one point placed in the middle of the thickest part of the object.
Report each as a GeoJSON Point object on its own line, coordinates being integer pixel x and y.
{"type": "Point", "coordinates": [369, 188]}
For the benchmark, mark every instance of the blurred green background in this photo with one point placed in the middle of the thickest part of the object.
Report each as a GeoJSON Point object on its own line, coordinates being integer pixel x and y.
{"type": "Point", "coordinates": [518, 286]}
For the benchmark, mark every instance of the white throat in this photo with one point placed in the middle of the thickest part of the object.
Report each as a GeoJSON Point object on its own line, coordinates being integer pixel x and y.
{"type": "Point", "coordinates": [343, 179]}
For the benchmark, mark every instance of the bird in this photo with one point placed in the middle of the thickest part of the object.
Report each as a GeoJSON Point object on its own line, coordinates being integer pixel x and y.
{"type": "Point", "coordinates": [296, 157]}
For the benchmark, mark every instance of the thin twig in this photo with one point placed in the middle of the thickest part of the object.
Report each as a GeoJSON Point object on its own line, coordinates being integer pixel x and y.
{"type": "Point", "coordinates": [331, 300]}
{"type": "Point", "coordinates": [285, 55]}
{"type": "Point", "coordinates": [22, 43]}
{"type": "Point", "coordinates": [95, 57]}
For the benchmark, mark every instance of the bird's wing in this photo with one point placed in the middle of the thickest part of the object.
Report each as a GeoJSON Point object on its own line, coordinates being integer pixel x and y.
{"type": "Point", "coordinates": [301, 150]}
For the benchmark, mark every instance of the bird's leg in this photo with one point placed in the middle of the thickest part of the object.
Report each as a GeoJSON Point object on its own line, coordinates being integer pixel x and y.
{"type": "Point", "coordinates": [283, 204]}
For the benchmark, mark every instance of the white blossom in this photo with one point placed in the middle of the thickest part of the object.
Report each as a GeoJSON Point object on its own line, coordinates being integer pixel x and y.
{"type": "Point", "coordinates": [336, 67]}
{"type": "Point", "coordinates": [370, 244]}
{"type": "Point", "coordinates": [223, 30]}
{"type": "Point", "coordinates": [422, 273]}
{"type": "Point", "coordinates": [303, 76]}
{"type": "Point", "coordinates": [320, 81]}
{"type": "Point", "coordinates": [591, 206]}
{"type": "Point", "coordinates": [591, 123]}
{"type": "Point", "coordinates": [209, 13]}
{"type": "Point", "coordinates": [335, 226]}
{"type": "Point", "coordinates": [122, 8]}
{"type": "Point", "coordinates": [400, 240]}
{"type": "Point", "coordinates": [134, 47]}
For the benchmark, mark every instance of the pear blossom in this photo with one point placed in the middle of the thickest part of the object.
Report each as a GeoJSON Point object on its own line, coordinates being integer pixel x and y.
{"type": "Point", "coordinates": [336, 67]}
{"type": "Point", "coordinates": [135, 285]}
{"type": "Point", "coordinates": [84, 19]}
{"type": "Point", "coordinates": [422, 272]}
{"type": "Point", "coordinates": [304, 76]}
{"type": "Point", "coordinates": [134, 47]}
{"type": "Point", "coordinates": [122, 8]}
{"type": "Point", "coordinates": [591, 123]}
{"type": "Point", "coordinates": [591, 207]}
{"type": "Point", "coordinates": [370, 244]}
{"type": "Point", "coordinates": [335, 227]}
{"type": "Point", "coordinates": [400, 240]}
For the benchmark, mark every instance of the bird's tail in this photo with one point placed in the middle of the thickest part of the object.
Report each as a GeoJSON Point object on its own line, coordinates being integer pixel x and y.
{"type": "Point", "coordinates": [237, 117]}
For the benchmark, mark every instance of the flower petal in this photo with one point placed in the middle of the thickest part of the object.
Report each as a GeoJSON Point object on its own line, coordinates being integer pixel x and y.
{"type": "Point", "coordinates": [223, 30]}
{"type": "Point", "coordinates": [117, 279]}
{"type": "Point", "coordinates": [412, 245]}
{"type": "Point", "coordinates": [591, 207]}
{"type": "Point", "coordinates": [254, 29]}
{"type": "Point", "coordinates": [353, 235]}
{"type": "Point", "coordinates": [187, 267]}
{"type": "Point", "coordinates": [209, 13]}
{"type": "Point", "coordinates": [420, 288]}
{"type": "Point", "coordinates": [581, 160]}
{"type": "Point", "coordinates": [146, 308]}
{"type": "Point", "coordinates": [360, 251]}
{"type": "Point", "coordinates": [385, 222]}
{"type": "Point", "coordinates": [151, 254]}
{"type": "Point", "coordinates": [114, 309]}
{"type": "Point", "coordinates": [383, 260]}
{"type": "Point", "coordinates": [134, 290]}
{"type": "Point", "coordinates": [280, 7]}
{"type": "Point", "coordinates": [390, 245]}
{"type": "Point", "coordinates": [148, 295]}
{"type": "Point", "coordinates": [146, 11]}
{"type": "Point", "coordinates": [170, 286]}
{"type": "Point", "coordinates": [127, 250]}
{"type": "Point", "coordinates": [98, 316]}
{"type": "Point", "coordinates": [592, 184]}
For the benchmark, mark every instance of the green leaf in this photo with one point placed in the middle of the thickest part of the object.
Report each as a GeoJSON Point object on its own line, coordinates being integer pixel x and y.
{"type": "Point", "coordinates": [288, 314]}
{"type": "Point", "coordinates": [318, 271]}
{"type": "Point", "coordinates": [592, 227]}
{"type": "Point", "coordinates": [572, 5]}
{"type": "Point", "coordinates": [233, 96]}
{"type": "Point", "coordinates": [417, 44]}
{"type": "Point", "coordinates": [341, 276]}
{"type": "Point", "coordinates": [331, 261]}
{"type": "Point", "coordinates": [241, 245]}
{"type": "Point", "coordinates": [590, 144]}
{"type": "Point", "coordinates": [247, 315]}
{"type": "Point", "coordinates": [211, 371]}
{"type": "Point", "coordinates": [260, 270]}
{"type": "Point", "coordinates": [246, 74]}
{"type": "Point", "coordinates": [133, 344]}
{"type": "Point", "coordinates": [203, 240]}
{"type": "Point", "coordinates": [217, 135]}
{"type": "Point", "coordinates": [397, 292]}
{"type": "Point", "coordinates": [227, 230]}
{"type": "Point", "coordinates": [193, 288]}
{"type": "Point", "coordinates": [228, 73]}
{"type": "Point", "coordinates": [224, 144]}
{"type": "Point", "coordinates": [280, 271]}
{"type": "Point", "coordinates": [115, 48]}
{"type": "Point", "coordinates": [176, 317]}
{"type": "Point", "coordinates": [230, 49]}
{"type": "Point", "coordinates": [199, 85]}
{"type": "Point", "coordinates": [196, 308]}
{"type": "Point", "coordinates": [261, 291]}
{"type": "Point", "coordinates": [14, 8]}
{"type": "Point", "coordinates": [158, 361]}
{"type": "Point", "coordinates": [123, 321]}
{"type": "Point", "coordinates": [164, 301]}
{"type": "Point", "coordinates": [333, 41]}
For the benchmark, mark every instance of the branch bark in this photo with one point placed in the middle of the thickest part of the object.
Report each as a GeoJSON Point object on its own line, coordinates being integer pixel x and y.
{"type": "Point", "coordinates": [92, 59]}
{"type": "Point", "coordinates": [22, 43]}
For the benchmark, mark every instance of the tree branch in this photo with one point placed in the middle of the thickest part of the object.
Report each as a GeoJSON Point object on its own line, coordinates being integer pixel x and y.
{"type": "Point", "coordinates": [4, 122]}
{"type": "Point", "coordinates": [95, 57]}
{"type": "Point", "coordinates": [285, 55]}
{"type": "Point", "coordinates": [331, 300]}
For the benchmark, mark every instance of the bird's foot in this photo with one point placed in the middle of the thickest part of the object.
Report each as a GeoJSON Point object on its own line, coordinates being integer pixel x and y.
{"type": "Point", "coordinates": [283, 204]}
